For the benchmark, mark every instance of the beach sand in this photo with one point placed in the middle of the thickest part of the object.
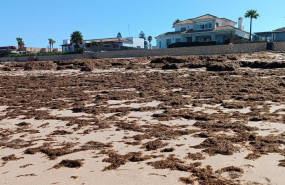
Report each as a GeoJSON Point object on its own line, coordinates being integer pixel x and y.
{"type": "Point", "coordinates": [214, 120]}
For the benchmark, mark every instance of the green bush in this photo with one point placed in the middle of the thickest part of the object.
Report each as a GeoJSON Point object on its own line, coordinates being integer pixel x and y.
{"type": "Point", "coordinates": [78, 50]}
{"type": "Point", "coordinates": [191, 44]}
{"type": "Point", "coordinates": [241, 41]}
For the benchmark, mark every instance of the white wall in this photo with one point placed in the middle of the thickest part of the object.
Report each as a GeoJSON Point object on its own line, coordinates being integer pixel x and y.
{"type": "Point", "coordinates": [134, 42]}
{"type": "Point", "coordinates": [225, 23]}
{"type": "Point", "coordinates": [242, 34]}
{"type": "Point", "coordinates": [188, 26]}
{"type": "Point", "coordinates": [163, 40]}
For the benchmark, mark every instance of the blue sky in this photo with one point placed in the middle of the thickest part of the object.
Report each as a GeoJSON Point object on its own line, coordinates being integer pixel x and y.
{"type": "Point", "coordinates": [37, 20]}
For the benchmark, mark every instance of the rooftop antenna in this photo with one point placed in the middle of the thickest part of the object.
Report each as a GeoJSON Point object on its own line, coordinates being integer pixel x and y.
{"type": "Point", "coordinates": [129, 30]}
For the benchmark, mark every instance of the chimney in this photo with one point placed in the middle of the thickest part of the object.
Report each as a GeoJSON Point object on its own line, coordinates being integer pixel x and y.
{"type": "Point", "coordinates": [240, 23]}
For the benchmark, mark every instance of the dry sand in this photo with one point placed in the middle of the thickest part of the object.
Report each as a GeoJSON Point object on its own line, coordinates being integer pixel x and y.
{"type": "Point", "coordinates": [214, 120]}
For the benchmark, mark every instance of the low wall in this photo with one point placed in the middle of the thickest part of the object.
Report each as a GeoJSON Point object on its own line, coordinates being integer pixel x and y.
{"type": "Point", "coordinates": [42, 58]}
{"type": "Point", "coordinates": [279, 46]}
{"type": "Point", "coordinates": [200, 50]}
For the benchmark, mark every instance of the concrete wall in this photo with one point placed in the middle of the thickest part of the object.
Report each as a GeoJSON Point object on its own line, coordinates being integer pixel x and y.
{"type": "Point", "coordinates": [42, 58]}
{"type": "Point", "coordinates": [201, 50]}
{"type": "Point", "coordinates": [279, 46]}
{"type": "Point", "coordinates": [135, 42]}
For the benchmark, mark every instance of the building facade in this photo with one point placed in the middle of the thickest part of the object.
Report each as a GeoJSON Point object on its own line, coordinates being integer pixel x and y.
{"type": "Point", "coordinates": [108, 43]}
{"type": "Point", "coordinates": [67, 46]}
{"type": "Point", "coordinates": [202, 29]}
{"type": "Point", "coordinates": [272, 36]}
{"type": "Point", "coordinates": [117, 43]}
{"type": "Point", "coordinates": [17, 50]}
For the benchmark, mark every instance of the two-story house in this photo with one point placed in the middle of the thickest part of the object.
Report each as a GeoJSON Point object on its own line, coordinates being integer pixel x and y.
{"type": "Point", "coordinates": [202, 29]}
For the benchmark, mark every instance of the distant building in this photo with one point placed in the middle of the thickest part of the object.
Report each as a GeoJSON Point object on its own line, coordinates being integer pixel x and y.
{"type": "Point", "coordinates": [28, 49]}
{"type": "Point", "coordinates": [108, 43]}
{"type": "Point", "coordinates": [67, 46]}
{"type": "Point", "coordinates": [202, 29]}
{"type": "Point", "coordinates": [130, 42]}
{"type": "Point", "coordinates": [9, 48]}
{"type": "Point", "coordinates": [272, 36]}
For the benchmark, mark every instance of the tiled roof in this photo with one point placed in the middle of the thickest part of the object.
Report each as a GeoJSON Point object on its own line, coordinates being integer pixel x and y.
{"type": "Point", "coordinates": [172, 33]}
{"type": "Point", "coordinates": [228, 20]}
{"type": "Point", "coordinates": [207, 16]}
{"type": "Point", "coordinates": [280, 29]}
{"type": "Point", "coordinates": [220, 28]}
{"type": "Point", "coordinates": [225, 28]}
{"type": "Point", "coordinates": [188, 21]}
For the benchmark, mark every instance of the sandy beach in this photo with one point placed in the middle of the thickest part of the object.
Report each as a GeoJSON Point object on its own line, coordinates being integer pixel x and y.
{"type": "Point", "coordinates": [144, 121]}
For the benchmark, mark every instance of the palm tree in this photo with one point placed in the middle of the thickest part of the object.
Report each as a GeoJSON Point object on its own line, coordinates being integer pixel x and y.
{"type": "Point", "coordinates": [76, 38]}
{"type": "Point", "coordinates": [119, 35]}
{"type": "Point", "coordinates": [20, 42]}
{"type": "Point", "coordinates": [252, 14]}
{"type": "Point", "coordinates": [149, 41]}
{"type": "Point", "coordinates": [142, 35]}
{"type": "Point", "coordinates": [51, 42]}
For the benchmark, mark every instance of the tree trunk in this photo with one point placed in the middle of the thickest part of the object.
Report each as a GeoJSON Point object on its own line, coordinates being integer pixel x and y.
{"type": "Point", "coordinates": [250, 29]}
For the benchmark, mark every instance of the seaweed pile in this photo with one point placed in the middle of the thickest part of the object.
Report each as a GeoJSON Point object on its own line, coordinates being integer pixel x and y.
{"type": "Point", "coordinates": [221, 101]}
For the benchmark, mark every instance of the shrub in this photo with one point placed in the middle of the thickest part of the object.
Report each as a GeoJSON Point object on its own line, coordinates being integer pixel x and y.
{"type": "Point", "coordinates": [191, 44]}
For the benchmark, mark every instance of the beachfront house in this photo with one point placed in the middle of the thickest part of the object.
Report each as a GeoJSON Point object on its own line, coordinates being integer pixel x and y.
{"type": "Point", "coordinates": [117, 43]}
{"type": "Point", "coordinates": [203, 29]}
{"type": "Point", "coordinates": [68, 46]}
{"type": "Point", "coordinates": [109, 43]}
{"type": "Point", "coordinates": [272, 36]}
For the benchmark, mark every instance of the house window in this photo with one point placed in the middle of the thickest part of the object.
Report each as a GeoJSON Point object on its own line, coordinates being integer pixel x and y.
{"type": "Point", "coordinates": [168, 41]}
{"type": "Point", "coordinates": [177, 40]}
{"type": "Point", "coordinates": [183, 29]}
{"type": "Point", "coordinates": [202, 26]}
{"type": "Point", "coordinates": [159, 44]}
{"type": "Point", "coordinates": [208, 26]}
{"type": "Point", "coordinates": [217, 24]}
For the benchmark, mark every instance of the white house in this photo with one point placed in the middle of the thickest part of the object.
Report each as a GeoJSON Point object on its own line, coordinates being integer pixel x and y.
{"type": "Point", "coordinates": [131, 42]}
{"type": "Point", "coordinates": [201, 29]}
{"type": "Point", "coordinates": [67, 46]}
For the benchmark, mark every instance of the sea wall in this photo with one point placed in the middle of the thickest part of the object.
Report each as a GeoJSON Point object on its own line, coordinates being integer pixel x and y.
{"type": "Point", "coordinates": [279, 46]}
{"type": "Point", "coordinates": [199, 50]}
